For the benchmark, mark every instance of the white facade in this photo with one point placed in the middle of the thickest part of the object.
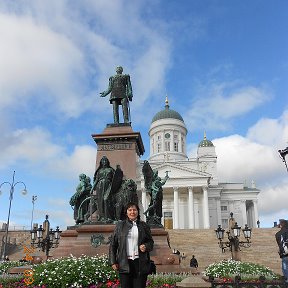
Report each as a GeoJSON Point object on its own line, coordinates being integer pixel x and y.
{"type": "Point", "coordinates": [193, 196]}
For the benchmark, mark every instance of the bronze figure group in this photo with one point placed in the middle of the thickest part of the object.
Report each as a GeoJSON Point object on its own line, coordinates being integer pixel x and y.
{"type": "Point", "coordinates": [107, 197]}
{"type": "Point", "coordinates": [105, 200]}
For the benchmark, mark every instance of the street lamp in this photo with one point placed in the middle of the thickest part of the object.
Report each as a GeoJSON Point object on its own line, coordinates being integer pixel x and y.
{"type": "Point", "coordinates": [233, 235]}
{"type": "Point", "coordinates": [24, 192]}
{"type": "Point", "coordinates": [34, 198]}
{"type": "Point", "coordinates": [283, 153]}
{"type": "Point", "coordinates": [45, 238]}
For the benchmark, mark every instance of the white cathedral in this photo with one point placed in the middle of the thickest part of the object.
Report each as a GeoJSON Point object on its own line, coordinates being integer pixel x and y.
{"type": "Point", "coordinates": [193, 196]}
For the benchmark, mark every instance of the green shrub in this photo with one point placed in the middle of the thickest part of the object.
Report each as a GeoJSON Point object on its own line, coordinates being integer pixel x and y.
{"type": "Point", "coordinates": [6, 265]}
{"type": "Point", "coordinates": [165, 280]}
{"type": "Point", "coordinates": [74, 272]}
{"type": "Point", "coordinates": [230, 268]}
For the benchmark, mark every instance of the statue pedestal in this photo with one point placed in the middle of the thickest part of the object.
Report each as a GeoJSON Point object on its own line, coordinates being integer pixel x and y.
{"type": "Point", "coordinates": [122, 146]}
{"type": "Point", "coordinates": [77, 240]}
{"type": "Point", "coordinates": [161, 254]}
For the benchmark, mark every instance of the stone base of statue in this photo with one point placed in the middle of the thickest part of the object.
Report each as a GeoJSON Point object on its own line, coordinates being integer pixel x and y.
{"type": "Point", "coordinates": [84, 239]}
{"type": "Point", "coordinates": [93, 240]}
{"type": "Point", "coordinates": [122, 146]}
{"type": "Point", "coordinates": [161, 254]}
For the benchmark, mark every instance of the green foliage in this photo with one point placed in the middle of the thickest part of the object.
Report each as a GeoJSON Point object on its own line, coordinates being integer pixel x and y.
{"type": "Point", "coordinates": [168, 280]}
{"type": "Point", "coordinates": [92, 272]}
{"type": "Point", "coordinates": [6, 265]}
{"type": "Point", "coordinates": [230, 268]}
{"type": "Point", "coordinates": [74, 272]}
{"type": "Point", "coordinates": [10, 281]}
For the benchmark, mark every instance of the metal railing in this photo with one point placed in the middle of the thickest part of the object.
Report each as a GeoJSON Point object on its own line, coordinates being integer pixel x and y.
{"type": "Point", "coordinates": [16, 228]}
{"type": "Point", "coordinates": [261, 282]}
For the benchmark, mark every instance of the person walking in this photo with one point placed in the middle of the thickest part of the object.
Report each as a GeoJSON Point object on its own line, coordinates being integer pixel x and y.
{"type": "Point", "coordinates": [281, 239]}
{"type": "Point", "coordinates": [129, 249]}
{"type": "Point", "coordinates": [193, 262]}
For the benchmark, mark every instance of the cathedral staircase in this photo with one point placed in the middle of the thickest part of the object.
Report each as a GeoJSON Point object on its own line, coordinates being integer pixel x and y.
{"type": "Point", "coordinates": [199, 242]}
{"type": "Point", "coordinates": [204, 245]}
{"type": "Point", "coordinates": [16, 242]}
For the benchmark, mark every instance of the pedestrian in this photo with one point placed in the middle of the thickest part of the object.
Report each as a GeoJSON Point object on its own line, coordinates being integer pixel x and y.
{"type": "Point", "coordinates": [129, 249]}
{"type": "Point", "coordinates": [281, 239]}
{"type": "Point", "coordinates": [193, 262]}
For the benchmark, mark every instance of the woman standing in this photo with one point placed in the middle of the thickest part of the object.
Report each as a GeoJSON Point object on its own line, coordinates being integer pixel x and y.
{"type": "Point", "coordinates": [130, 245]}
{"type": "Point", "coordinates": [102, 184]}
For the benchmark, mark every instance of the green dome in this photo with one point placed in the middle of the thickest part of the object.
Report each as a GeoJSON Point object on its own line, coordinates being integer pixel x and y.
{"type": "Point", "coordinates": [167, 113]}
{"type": "Point", "coordinates": [205, 142]}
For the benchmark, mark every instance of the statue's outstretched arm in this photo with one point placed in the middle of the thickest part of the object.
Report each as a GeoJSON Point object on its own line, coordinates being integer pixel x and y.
{"type": "Point", "coordinates": [108, 91]}
{"type": "Point", "coordinates": [165, 179]}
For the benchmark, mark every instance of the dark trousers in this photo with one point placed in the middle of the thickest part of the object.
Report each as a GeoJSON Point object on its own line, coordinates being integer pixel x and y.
{"type": "Point", "coordinates": [133, 279]}
{"type": "Point", "coordinates": [124, 103]}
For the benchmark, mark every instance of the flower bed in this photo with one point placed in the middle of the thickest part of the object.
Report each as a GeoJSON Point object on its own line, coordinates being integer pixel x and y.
{"type": "Point", "coordinates": [88, 272]}
{"type": "Point", "coordinates": [227, 270]}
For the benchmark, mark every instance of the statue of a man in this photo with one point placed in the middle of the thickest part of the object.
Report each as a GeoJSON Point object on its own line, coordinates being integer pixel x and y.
{"type": "Point", "coordinates": [121, 93]}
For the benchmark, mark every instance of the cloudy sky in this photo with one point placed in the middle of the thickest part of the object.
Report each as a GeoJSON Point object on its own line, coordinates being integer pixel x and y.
{"type": "Point", "coordinates": [223, 65]}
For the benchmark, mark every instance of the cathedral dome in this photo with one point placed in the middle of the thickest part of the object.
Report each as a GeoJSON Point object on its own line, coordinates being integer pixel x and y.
{"type": "Point", "coordinates": [205, 142]}
{"type": "Point", "coordinates": [167, 113]}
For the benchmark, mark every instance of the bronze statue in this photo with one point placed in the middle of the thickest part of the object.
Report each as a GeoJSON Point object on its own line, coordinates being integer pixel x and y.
{"type": "Point", "coordinates": [108, 196]}
{"type": "Point", "coordinates": [126, 194]}
{"type": "Point", "coordinates": [153, 183]}
{"type": "Point", "coordinates": [102, 184]}
{"type": "Point", "coordinates": [121, 93]}
{"type": "Point", "coordinates": [82, 192]}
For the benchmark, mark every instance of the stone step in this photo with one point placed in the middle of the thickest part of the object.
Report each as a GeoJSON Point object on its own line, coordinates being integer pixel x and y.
{"type": "Point", "coordinates": [204, 245]}
{"type": "Point", "coordinates": [199, 242]}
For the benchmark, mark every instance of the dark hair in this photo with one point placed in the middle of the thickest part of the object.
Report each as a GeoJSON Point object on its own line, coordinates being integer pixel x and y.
{"type": "Point", "coordinates": [283, 223]}
{"type": "Point", "coordinates": [130, 204]}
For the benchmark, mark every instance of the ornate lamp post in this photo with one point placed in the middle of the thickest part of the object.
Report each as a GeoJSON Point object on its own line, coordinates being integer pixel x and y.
{"type": "Point", "coordinates": [34, 198]}
{"type": "Point", "coordinates": [233, 235]}
{"type": "Point", "coordinates": [283, 153]}
{"type": "Point", "coordinates": [45, 238]}
{"type": "Point", "coordinates": [24, 192]}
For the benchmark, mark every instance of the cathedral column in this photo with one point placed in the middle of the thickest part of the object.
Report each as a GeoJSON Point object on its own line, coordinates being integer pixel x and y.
{"type": "Point", "coordinates": [144, 200]}
{"type": "Point", "coordinates": [218, 207]}
{"type": "Point", "coordinates": [152, 148]}
{"type": "Point", "coordinates": [180, 143]}
{"type": "Point", "coordinates": [230, 206]}
{"type": "Point", "coordinates": [243, 212]}
{"type": "Point", "coordinates": [255, 216]}
{"type": "Point", "coordinates": [191, 208]}
{"type": "Point", "coordinates": [163, 142]}
{"type": "Point", "coordinates": [172, 141]}
{"type": "Point", "coordinates": [176, 209]}
{"type": "Point", "coordinates": [205, 208]}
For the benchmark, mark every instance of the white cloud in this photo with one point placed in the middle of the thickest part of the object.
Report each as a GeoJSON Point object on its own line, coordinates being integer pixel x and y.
{"type": "Point", "coordinates": [81, 160]}
{"type": "Point", "coordinates": [273, 198]}
{"type": "Point", "coordinates": [32, 146]}
{"type": "Point", "coordinates": [36, 149]}
{"type": "Point", "coordinates": [216, 104]}
{"type": "Point", "coordinates": [255, 157]}
{"type": "Point", "coordinates": [71, 57]}
{"type": "Point", "coordinates": [36, 59]}
{"type": "Point", "coordinates": [62, 217]}
{"type": "Point", "coordinates": [273, 132]}
{"type": "Point", "coordinates": [240, 159]}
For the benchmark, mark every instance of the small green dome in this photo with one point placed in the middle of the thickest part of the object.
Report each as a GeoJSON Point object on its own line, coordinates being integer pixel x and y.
{"type": "Point", "coordinates": [167, 113]}
{"type": "Point", "coordinates": [205, 142]}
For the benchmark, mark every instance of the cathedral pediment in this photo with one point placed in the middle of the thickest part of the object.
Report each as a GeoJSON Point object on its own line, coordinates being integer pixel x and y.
{"type": "Point", "coordinates": [179, 171]}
